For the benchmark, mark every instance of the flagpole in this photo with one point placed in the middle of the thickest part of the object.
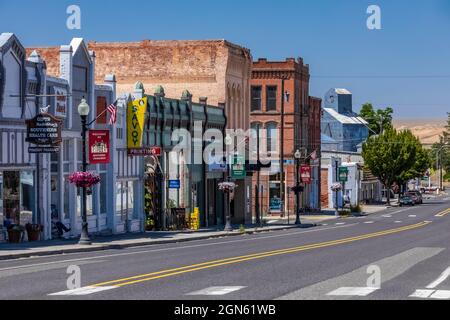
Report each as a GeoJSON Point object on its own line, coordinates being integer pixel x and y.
{"type": "Point", "coordinates": [106, 109]}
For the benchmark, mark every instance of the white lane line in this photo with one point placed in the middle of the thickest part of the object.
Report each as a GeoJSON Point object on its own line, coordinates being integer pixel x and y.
{"type": "Point", "coordinates": [431, 294]}
{"type": "Point", "coordinates": [215, 291]}
{"type": "Point", "coordinates": [82, 291]}
{"type": "Point", "coordinates": [170, 249]}
{"type": "Point", "coordinates": [397, 221]}
{"type": "Point", "coordinates": [353, 291]}
{"type": "Point", "coordinates": [368, 222]}
{"type": "Point", "coordinates": [399, 211]}
{"type": "Point", "coordinates": [387, 216]}
{"type": "Point", "coordinates": [444, 275]}
{"type": "Point", "coordinates": [422, 293]}
{"type": "Point", "coordinates": [340, 223]}
{"type": "Point", "coordinates": [412, 216]}
{"type": "Point", "coordinates": [430, 291]}
{"type": "Point", "coordinates": [441, 294]}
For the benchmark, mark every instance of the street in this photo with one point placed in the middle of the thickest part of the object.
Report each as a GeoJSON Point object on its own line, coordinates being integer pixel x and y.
{"type": "Point", "coordinates": [398, 253]}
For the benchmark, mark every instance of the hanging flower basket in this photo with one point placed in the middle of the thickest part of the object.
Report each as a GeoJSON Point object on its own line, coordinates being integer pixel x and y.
{"type": "Point", "coordinates": [84, 179]}
{"type": "Point", "coordinates": [227, 186]}
{"type": "Point", "coordinates": [336, 187]}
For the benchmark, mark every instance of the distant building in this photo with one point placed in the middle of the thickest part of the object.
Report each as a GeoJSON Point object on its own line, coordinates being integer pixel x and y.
{"type": "Point", "coordinates": [340, 123]}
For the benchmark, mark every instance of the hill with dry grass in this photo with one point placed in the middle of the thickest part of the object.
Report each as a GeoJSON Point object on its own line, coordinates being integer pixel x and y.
{"type": "Point", "coordinates": [427, 130]}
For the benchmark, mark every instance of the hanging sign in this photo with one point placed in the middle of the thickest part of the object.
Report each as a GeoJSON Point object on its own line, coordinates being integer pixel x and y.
{"type": "Point", "coordinates": [135, 122]}
{"type": "Point", "coordinates": [99, 152]}
{"type": "Point", "coordinates": [238, 167]}
{"type": "Point", "coordinates": [343, 174]}
{"type": "Point", "coordinates": [44, 129]}
{"type": "Point", "coordinates": [305, 174]}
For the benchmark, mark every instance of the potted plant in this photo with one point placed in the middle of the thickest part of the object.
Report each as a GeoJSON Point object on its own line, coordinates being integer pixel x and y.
{"type": "Point", "coordinates": [84, 179]}
{"type": "Point", "coordinates": [15, 233]}
{"type": "Point", "coordinates": [149, 224]}
{"type": "Point", "coordinates": [33, 231]}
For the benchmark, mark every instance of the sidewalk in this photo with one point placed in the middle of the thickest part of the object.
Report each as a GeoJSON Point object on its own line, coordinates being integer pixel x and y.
{"type": "Point", "coordinates": [325, 215]}
{"type": "Point", "coordinates": [52, 247]}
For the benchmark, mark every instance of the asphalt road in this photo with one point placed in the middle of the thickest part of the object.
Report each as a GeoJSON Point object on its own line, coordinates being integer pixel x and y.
{"type": "Point", "coordinates": [400, 253]}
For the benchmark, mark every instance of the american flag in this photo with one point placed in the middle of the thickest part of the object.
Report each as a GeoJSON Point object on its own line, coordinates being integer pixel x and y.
{"type": "Point", "coordinates": [112, 109]}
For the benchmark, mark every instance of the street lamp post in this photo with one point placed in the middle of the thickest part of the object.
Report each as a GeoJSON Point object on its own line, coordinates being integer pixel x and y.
{"type": "Point", "coordinates": [297, 156]}
{"type": "Point", "coordinates": [83, 110]}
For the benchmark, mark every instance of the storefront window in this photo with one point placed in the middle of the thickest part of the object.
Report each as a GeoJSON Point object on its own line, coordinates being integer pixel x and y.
{"type": "Point", "coordinates": [125, 199]}
{"type": "Point", "coordinates": [119, 198]}
{"type": "Point", "coordinates": [66, 197]}
{"type": "Point", "coordinates": [89, 197]}
{"type": "Point", "coordinates": [11, 196]}
{"type": "Point", "coordinates": [274, 193]}
{"type": "Point", "coordinates": [27, 197]}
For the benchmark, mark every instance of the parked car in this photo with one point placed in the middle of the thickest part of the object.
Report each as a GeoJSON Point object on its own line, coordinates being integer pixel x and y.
{"type": "Point", "coordinates": [406, 201]}
{"type": "Point", "coordinates": [416, 195]}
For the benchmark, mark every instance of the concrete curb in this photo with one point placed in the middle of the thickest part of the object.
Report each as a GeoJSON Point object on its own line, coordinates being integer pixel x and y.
{"type": "Point", "coordinates": [103, 247]}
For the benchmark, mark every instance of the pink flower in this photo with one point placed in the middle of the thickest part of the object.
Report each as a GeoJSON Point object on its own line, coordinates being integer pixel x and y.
{"type": "Point", "coordinates": [84, 179]}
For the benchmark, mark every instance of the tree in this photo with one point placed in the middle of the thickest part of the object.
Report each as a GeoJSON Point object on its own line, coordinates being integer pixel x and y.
{"type": "Point", "coordinates": [389, 155]}
{"type": "Point", "coordinates": [421, 164]}
{"type": "Point", "coordinates": [379, 120]}
{"type": "Point", "coordinates": [441, 150]}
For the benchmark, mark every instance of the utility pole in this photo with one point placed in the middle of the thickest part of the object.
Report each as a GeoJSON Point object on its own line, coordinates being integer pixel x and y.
{"type": "Point", "coordinates": [258, 181]}
{"type": "Point", "coordinates": [282, 149]}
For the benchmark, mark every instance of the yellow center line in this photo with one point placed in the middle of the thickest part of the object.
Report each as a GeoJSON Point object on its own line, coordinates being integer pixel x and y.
{"type": "Point", "coordinates": [443, 213]}
{"type": "Point", "coordinates": [216, 263]}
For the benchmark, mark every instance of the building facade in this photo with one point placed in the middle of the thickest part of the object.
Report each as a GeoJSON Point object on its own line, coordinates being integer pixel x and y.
{"type": "Point", "coordinates": [34, 188]}
{"type": "Point", "coordinates": [300, 130]}
{"type": "Point", "coordinates": [216, 69]}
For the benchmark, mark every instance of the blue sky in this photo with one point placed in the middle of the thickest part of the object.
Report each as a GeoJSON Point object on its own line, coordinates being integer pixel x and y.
{"type": "Point", "coordinates": [405, 65]}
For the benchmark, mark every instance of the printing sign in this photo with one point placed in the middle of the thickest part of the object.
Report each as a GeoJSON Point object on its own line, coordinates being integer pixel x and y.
{"type": "Point", "coordinates": [99, 152]}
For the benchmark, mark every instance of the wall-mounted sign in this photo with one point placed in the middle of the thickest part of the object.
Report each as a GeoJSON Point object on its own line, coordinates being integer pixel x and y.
{"type": "Point", "coordinates": [305, 174]}
{"type": "Point", "coordinates": [99, 152]}
{"type": "Point", "coordinates": [174, 184]}
{"type": "Point", "coordinates": [60, 102]}
{"type": "Point", "coordinates": [152, 151]}
{"type": "Point", "coordinates": [44, 129]}
{"type": "Point", "coordinates": [44, 149]}
{"type": "Point", "coordinates": [135, 122]}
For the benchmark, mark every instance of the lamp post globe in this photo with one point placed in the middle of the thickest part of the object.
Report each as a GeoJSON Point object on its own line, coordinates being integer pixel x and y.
{"type": "Point", "coordinates": [83, 110]}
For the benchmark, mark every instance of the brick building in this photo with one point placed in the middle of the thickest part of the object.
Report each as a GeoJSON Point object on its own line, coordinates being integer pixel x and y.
{"type": "Point", "coordinates": [216, 69]}
{"type": "Point", "coordinates": [301, 130]}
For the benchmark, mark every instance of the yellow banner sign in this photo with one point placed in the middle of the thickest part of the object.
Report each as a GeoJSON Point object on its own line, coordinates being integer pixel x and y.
{"type": "Point", "coordinates": [135, 122]}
